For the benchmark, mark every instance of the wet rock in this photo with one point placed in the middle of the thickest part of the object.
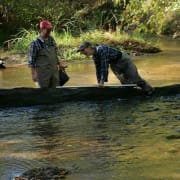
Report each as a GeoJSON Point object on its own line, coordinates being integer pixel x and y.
{"type": "Point", "coordinates": [145, 124]}
{"type": "Point", "coordinates": [176, 35]}
{"type": "Point", "coordinates": [151, 109]}
{"type": "Point", "coordinates": [177, 117]}
{"type": "Point", "coordinates": [131, 147]}
{"type": "Point", "coordinates": [137, 54]}
{"type": "Point", "coordinates": [45, 173]}
{"type": "Point", "coordinates": [103, 138]}
{"type": "Point", "coordinates": [2, 64]}
{"type": "Point", "coordinates": [172, 137]}
{"type": "Point", "coordinates": [178, 130]}
{"type": "Point", "coordinates": [120, 143]}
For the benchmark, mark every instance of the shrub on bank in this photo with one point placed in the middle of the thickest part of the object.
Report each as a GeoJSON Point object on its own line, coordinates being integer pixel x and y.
{"type": "Point", "coordinates": [171, 24]}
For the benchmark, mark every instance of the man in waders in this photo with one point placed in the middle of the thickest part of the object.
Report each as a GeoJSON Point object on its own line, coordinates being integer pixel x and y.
{"type": "Point", "coordinates": [43, 59]}
{"type": "Point", "coordinates": [120, 63]}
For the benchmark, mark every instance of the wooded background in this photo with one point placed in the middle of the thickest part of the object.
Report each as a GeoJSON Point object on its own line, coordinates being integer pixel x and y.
{"type": "Point", "coordinates": [144, 16]}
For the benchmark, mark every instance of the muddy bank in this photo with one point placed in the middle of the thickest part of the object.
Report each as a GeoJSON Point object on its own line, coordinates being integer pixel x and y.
{"type": "Point", "coordinates": [134, 47]}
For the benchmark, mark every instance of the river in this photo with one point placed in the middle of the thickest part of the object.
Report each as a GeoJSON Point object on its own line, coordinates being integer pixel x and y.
{"type": "Point", "coordinates": [100, 140]}
{"type": "Point", "coordinates": [159, 69]}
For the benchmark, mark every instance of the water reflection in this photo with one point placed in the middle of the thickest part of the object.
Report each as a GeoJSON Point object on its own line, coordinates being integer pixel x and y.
{"type": "Point", "coordinates": [46, 131]}
{"type": "Point", "coordinates": [97, 140]}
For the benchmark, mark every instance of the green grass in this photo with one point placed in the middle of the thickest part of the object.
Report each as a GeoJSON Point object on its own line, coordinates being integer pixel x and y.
{"type": "Point", "coordinates": [21, 41]}
{"type": "Point", "coordinates": [67, 43]}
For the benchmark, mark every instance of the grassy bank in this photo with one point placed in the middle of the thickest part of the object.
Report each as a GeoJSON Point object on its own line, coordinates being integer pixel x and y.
{"type": "Point", "coordinates": [67, 43]}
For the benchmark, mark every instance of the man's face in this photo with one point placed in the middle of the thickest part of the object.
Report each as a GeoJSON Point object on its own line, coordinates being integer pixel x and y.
{"type": "Point", "coordinates": [45, 32]}
{"type": "Point", "coordinates": [87, 51]}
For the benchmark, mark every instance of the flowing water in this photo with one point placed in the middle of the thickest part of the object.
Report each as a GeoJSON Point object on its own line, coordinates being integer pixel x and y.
{"type": "Point", "coordinates": [159, 69]}
{"type": "Point", "coordinates": [102, 140]}
{"type": "Point", "coordinates": [106, 140]}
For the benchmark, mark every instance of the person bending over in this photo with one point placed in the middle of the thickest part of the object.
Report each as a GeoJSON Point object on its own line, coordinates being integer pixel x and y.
{"type": "Point", "coordinates": [120, 63]}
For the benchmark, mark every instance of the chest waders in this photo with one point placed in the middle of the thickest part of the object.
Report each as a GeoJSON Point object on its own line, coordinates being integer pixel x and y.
{"type": "Point", "coordinates": [126, 71]}
{"type": "Point", "coordinates": [46, 68]}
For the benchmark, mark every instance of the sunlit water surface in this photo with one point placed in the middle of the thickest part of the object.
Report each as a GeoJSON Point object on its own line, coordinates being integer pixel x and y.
{"type": "Point", "coordinates": [117, 139]}
{"type": "Point", "coordinates": [158, 69]}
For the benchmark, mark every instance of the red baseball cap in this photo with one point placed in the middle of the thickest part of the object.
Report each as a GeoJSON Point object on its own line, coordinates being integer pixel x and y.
{"type": "Point", "coordinates": [45, 24]}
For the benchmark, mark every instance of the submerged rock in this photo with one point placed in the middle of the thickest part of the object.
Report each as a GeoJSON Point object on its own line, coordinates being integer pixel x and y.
{"type": "Point", "coordinates": [177, 130]}
{"type": "Point", "coordinates": [174, 136]}
{"type": "Point", "coordinates": [45, 173]}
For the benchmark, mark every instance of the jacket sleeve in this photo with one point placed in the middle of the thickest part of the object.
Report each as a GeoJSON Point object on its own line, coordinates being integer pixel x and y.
{"type": "Point", "coordinates": [104, 65]}
{"type": "Point", "coordinates": [32, 55]}
{"type": "Point", "coordinates": [98, 72]}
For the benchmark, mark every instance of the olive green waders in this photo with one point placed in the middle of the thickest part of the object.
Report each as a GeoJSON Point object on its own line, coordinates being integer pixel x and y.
{"type": "Point", "coordinates": [126, 71]}
{"type": "Point", "coordinates": [46, 68]}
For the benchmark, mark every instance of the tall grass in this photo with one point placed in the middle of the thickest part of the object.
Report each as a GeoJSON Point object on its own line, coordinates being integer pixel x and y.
{"type": "Point", "coordinates": [22, 40]}
{"type": "Point", "coordinates": [68, 44]}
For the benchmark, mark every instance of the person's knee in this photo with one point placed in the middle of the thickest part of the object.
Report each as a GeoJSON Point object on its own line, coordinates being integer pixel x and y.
{"type": "Point", "coordinates": [44, 83]}
{"type": "Point", "coordinates": [144, 85]}
{"type": "Point", "coordinates": [141, 83]}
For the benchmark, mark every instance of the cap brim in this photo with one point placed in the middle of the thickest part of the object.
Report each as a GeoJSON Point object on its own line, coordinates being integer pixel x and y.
{"type": "Point", "coordinates": [47, 27]}
{"type": "Point", "coordinates": [80, 49]}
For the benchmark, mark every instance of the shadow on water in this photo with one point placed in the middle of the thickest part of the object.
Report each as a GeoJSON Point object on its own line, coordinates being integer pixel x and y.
{"type": "Point", "coordinates": [45, 130]}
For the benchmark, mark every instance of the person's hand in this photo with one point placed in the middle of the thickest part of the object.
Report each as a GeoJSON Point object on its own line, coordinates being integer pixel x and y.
{"type": "Point", "coordinates": [101, 85]}
{"type": "Point", "coordinates": [34, 75]}
{"type": "Point", "coordinates": [62, 66]}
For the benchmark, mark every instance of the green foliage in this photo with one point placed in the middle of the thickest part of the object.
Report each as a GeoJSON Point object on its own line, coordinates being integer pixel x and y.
{"type": "Point", "coordinates": [139, 16]}
{"type": "Point", "coordinates": [22, 40]}
{"type": "Point", "coordinates": [150, 16]}
{"type": "Point", "coordinates": [171, 23]}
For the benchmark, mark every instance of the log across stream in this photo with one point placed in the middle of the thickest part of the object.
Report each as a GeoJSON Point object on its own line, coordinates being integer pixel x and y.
{"type": "Point", "coordinates": [30, 96]}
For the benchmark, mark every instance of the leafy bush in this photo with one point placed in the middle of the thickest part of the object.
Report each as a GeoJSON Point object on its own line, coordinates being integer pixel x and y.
{"type": "Point", "coordinates": [171, 23]}
{"type": "Point", "coordinates": [142, 16]}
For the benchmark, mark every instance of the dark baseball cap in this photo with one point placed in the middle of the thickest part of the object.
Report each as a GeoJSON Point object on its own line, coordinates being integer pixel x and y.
{"type": "Point", "coordinates": [83, 46]}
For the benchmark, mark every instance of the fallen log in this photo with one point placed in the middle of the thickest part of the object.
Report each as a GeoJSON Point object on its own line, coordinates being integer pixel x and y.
{"type": "Point", "coordinates": [30, 96]}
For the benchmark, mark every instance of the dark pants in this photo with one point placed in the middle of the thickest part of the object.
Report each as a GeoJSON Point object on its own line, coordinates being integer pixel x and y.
{"type": "Point", "coordinates": [47, 69]}
{"type": "Point", "coordinates": [126, 71]}
{"type": "Point", "coordinates": [47, 78]}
